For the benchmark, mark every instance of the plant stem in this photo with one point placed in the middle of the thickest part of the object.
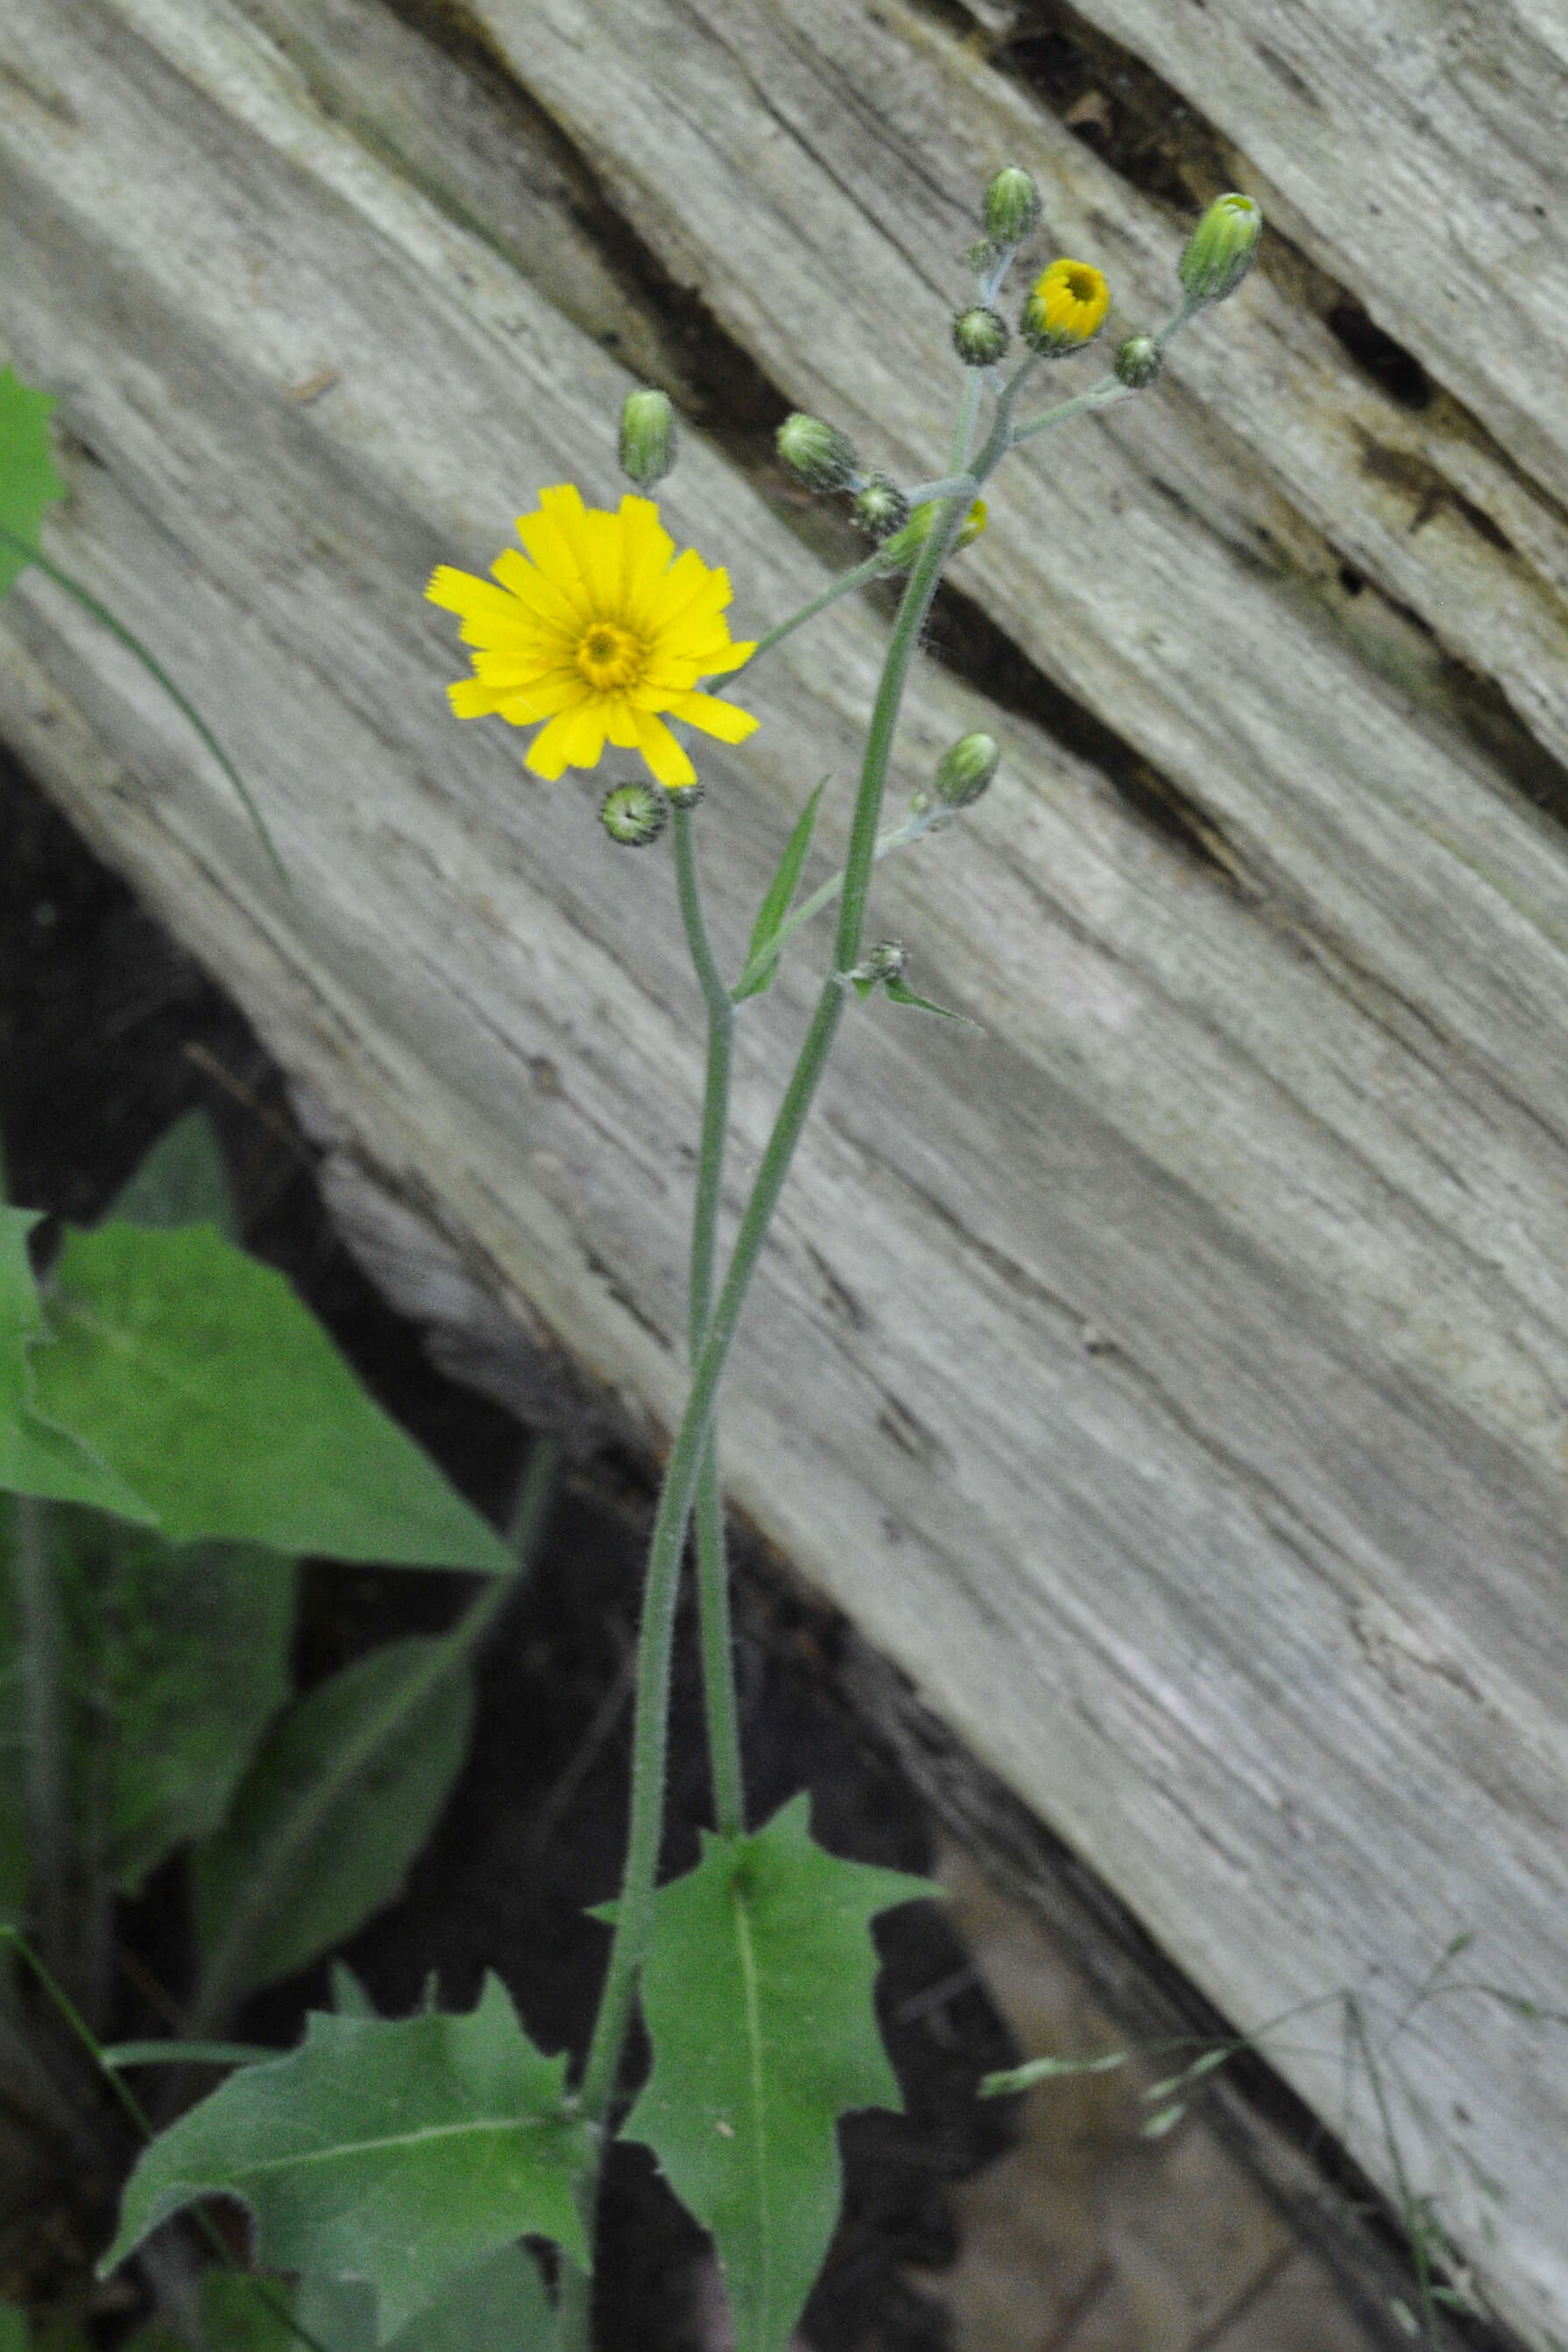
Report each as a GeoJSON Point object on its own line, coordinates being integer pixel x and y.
{"type": "Point", "coordinates": [634, 1913]}
{"type": "Point", "coordinates": [875, 567]}
{"type": "Point", "coordinates": [712, 1569]}
{"type": "Point", "coordinates": [911, 829]}
{"type": "Point", "coordinates": [225, 1975]}
{"type": "Point", "coordinates": [47, 1739]}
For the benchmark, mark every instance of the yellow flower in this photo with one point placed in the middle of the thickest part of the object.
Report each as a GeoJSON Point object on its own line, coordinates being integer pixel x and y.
{"type": "Point", "coordinates": [1067, 306]}
{"type": "Point", "coordinates": [596, 635]}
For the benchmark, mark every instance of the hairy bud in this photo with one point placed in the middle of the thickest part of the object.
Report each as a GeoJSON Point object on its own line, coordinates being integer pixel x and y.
{"type": "Point", "coordinates": [634, 814]}
{"type": "Point", "coordinates": [980, 336]}
{"type": "Point", "coordinates": [886, 960]}
{"type": "Point", "coordinates": [965, 770]}
{"type": "Point", "coordinates": [1066, 307]}
{"type": "Point", "coordinates": [647, 437]}
{"type": "Point", "coordinates": [1221, 249]}
{"type": "Point", "coordinates": [1138, 363]}
{"type": "Point", "coordinates": [817, 453]}
{"type": "Point", "coordinates": [1012, 206]}
{"type": "Point", "coordinates": [881, 508]}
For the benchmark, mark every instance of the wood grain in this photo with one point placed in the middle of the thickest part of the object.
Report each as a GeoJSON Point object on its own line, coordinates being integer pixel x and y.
{"type": "Point", "coordinates": [1173, 1380]}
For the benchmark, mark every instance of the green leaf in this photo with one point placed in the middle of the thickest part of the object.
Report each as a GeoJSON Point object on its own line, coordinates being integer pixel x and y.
{"type": "Point", "coordinates": [182, 1181]}
{"type": "Point", "coordinates": [13, 2328]}
{"type": "Point", "coordinates": [35, 1458]}
{"type": "Point", "coordinates": [396, 2153]}
{"type": "Point", "coordinates": [344, 1794]}
{"type": "Point", "coordinates": [776, 905]}
{"type": "Point", "coordinates": [350, 1997]}
{"type": "Point", "coordinates": [203, 1383]}
{"type": "Point", "coordinates": [901, 993]}
{"type": "Point", "coordinates": [497, 2305]}
{"type": "Point", "coordinates": [28, 482]}
{"type": "Point", "coordinates": [177, 1659]}
{"type": "Point", "coordinates": [757, 1991]}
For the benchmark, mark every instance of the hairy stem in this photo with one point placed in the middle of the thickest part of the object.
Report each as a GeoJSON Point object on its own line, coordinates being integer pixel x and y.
{"type": "Point", "coordinates": [712, 1568]}
{"type": "Point", "coordinates": [634, 1912]}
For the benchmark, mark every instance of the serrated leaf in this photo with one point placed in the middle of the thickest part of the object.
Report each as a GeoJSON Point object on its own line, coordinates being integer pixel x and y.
{"type": "Point", "coordinates": [177, 1659]}
{"type": "Point", "coordinates": [901, 993]}
{"type": "Point", "coordinates": [776, 906]}
{"type": "Point", "coordinates": [182, 1180]}
{"type": "Point", "coordinates": [397, 2153]}
{"type": "Point", "coordinates": [28, 482]}
{"type": "Point", "coordinates": [757, 1993]}
{"type": "Point", "coordinates": [350, 1997]}
{"type": "Point", "coordinates": [341, 1796]}
{"type": "Point", "coordinates": [209, 1388]}
{"type": "Point", "coordinates": [36, 1458]}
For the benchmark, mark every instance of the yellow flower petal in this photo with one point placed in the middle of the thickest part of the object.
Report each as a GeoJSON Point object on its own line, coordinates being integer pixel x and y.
{"type": "Point", "coordinates": [725, 720]}
{"type": "Point", "coordinates": [593, 626]}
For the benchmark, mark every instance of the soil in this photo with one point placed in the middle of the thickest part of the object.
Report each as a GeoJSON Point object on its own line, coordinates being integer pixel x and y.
{"type": "Point", "coordinates": [108, 1032]}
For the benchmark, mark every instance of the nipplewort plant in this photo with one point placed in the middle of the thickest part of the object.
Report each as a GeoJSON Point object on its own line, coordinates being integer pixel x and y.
{"type": "Point", "coordinates": [390, 2165]}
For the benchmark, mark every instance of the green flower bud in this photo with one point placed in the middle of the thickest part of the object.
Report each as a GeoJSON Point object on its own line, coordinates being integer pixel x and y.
{"type": "Point", "coordinates": [980, 336]}
{"type": "Point", "coordinates": [823, 458]}
{"type": "Point", "coordinates": [686, 796]}
{"type": "Point", "coordinates": [965, 769]}
{"type": "Point", "coordinates": [1138, 363]}
{"type": "Point", "coordinates": [881, 508]}
{"type": "Point", "coordinates": [982, 256]}
{"type": "Point", "coordinates": [1220, 250]}
{"type": "Point", "coordinates": [886, 960]}
{"type": "Point", "coordinates": [1012, 206]}
{"type": "Point", "coordinates": [634, 814]}
{"type": "Point", "coordinates": [647, 437]}
{"type": "Point", "coordinates": [903, 549]}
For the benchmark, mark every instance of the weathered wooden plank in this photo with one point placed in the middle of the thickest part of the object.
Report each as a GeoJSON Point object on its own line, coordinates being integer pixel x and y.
{"type": "Point", "coordinates": [1419, 153]}
{"type": "Point", "coordinates": [1151, 1379]}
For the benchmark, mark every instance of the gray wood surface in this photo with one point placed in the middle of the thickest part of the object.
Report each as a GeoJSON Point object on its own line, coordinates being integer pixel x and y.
{"type": "Point", "coordinates": [1171, 1380]}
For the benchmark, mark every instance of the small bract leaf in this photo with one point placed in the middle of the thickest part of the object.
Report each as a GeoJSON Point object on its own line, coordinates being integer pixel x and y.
{"type": "Point", "coordinates": [28, 482]}
{"type": "Point", "coordinates": [341, 1796]}
{"type": "Point", "coordinates": [1048, 2070]}
{"type": "Point", "coordinates": [207, 1387]}
{"type": "Point", "coordinates": [901, 993]}
{"type": "Point", "coordinates": [396, 2153]}
{"type": "Point", "coordinates": [757, 1991]}
{"type": "Point", "coordinates": [780, 895]}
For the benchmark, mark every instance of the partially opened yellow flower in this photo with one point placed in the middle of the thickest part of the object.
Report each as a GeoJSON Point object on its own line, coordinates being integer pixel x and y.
{"type": "Point", "coordinates": [596, 635]}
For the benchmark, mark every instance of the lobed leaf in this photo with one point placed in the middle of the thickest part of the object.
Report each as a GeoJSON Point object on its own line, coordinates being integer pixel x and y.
{"type": "Point", "coordinates": [205, 1385]}
{"type": "Point", "coordinates": [397, 2153]}
{"type": "Point", "coordinates": [757, 1992]}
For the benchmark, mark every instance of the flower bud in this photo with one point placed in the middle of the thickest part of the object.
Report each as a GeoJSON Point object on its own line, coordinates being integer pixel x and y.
{"type": "Point", "coordinates": [647, 437]}
{"type": "Point", "coordinates": [686, 796]}
{"type": "Point", "coordinates": [886, 960]}
{"type": "Point", "coordinates": [903, 549]}
{"type": "Point", "coordinates": [881, 508]}
{"type": "Point", "coordinates": [823, 458]}
{"type": "Point", "coordinates": [634, 814]}
{"type": "Point", "coordinates": [965, 769]}
{"type": "Point", "coordinates": [1138, 363]}
{"type": "Point", "coordinates": [1220, 250]}
{"type": "Point", "coordinates": [1066, 309]}
{"type": "Point", "coordinates": [980, 336]}
{"type": "Point", "coordinates": [982, 256]}
{"type": "Point", "coordinates": [1012, 206]}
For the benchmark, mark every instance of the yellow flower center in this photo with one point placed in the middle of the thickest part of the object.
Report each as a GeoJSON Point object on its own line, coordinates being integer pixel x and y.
{"type": "Point", "coordinates": [610, 658]}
